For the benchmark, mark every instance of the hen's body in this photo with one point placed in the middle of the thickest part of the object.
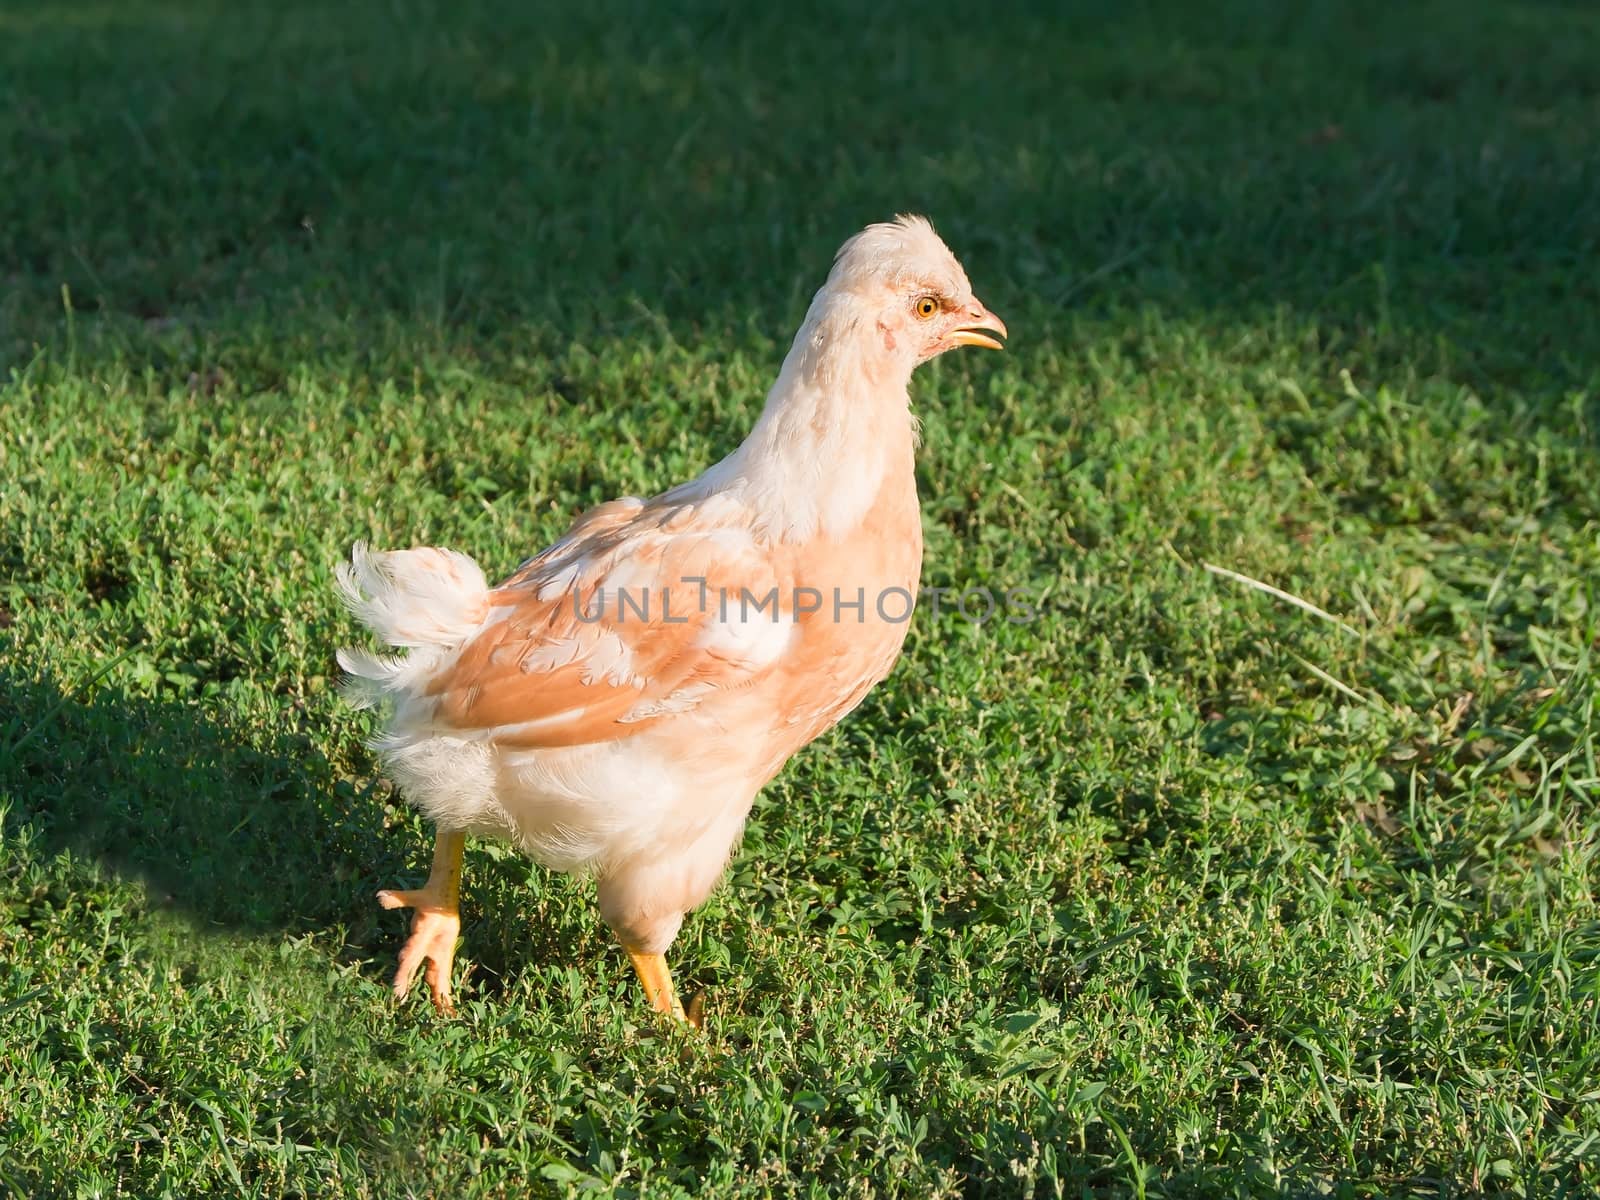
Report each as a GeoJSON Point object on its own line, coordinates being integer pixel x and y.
{"type": "Point", "coordinates": [616, 704]}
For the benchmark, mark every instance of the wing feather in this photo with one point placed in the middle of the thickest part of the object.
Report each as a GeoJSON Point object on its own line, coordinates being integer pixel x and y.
{"type": "Point", "coordinates": [636, 615]}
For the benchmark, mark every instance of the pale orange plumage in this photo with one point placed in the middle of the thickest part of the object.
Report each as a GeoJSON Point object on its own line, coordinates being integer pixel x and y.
{"type": "Point", "coordinates": [615, 705]}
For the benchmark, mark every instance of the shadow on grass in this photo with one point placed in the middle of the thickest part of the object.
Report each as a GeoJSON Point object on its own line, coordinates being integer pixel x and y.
{"type": "Point", "coordinates": [257, 832]}
{"type": "Point", "coordinates": [244, 829]}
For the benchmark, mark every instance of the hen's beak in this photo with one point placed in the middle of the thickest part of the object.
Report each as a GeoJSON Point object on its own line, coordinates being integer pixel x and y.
{"type": "Point", "coordinates": [971, 332]}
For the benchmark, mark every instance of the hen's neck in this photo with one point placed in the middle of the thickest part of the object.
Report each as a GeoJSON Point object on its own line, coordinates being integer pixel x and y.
{"type": "Point", "coordinates": [837, 424]}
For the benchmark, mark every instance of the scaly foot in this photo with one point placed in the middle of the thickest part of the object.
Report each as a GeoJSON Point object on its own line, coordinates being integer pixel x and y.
{"type": "Point", "coordinates": [436, 924]}
{"type": "Point", "coordinates": [659, 990]}
{"type": "Point", "coordinates": [433, 937]}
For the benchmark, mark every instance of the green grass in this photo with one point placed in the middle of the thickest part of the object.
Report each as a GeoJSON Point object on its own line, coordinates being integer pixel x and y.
{"type": "Point", "coordinates": [1179, 890]}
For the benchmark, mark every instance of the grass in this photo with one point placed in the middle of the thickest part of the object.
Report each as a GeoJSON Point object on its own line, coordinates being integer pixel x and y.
{"type": "Point", "coordinates": [1180, 889]}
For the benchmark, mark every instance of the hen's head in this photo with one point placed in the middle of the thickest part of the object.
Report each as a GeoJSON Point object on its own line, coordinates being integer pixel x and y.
{"type": "Point", "coordinates": [908, 292]}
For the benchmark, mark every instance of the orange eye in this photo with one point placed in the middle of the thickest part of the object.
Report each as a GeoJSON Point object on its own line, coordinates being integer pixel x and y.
{"type": "Point", "coordinates": [925, 307]}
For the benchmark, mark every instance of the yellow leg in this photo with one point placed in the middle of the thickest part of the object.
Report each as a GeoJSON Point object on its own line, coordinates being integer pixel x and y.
{"type": "Point", "coordinates": [657, 979]}
{"type": "Point", "coordinates": [436, 924]}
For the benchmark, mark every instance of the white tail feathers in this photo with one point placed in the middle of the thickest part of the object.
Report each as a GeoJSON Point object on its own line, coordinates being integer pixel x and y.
{"type": "Point", "coordinates": [428, 600]}
{"type": "Point", "coordinates": [423, 597]}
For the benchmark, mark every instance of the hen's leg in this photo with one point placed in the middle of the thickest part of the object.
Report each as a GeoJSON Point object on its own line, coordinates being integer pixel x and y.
{"type": "Point", "coordinates": [644, 901]}
{"type": "Point", "coordinates": [436, 924]}
{"type": "Point", "coordinates": [657, 979]}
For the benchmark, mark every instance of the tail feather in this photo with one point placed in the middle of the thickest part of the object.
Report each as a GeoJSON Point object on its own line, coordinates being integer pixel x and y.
{"type": "Point", "coordinates": [427, 601]}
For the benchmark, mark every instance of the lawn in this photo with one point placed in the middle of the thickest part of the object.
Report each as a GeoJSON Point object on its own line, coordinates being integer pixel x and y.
{"type": "Point", "coordinates": [1181, 888]}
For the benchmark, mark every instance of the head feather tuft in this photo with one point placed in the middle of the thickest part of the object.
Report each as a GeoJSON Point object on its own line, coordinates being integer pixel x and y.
{"type": "Point", "coordinates": [905, 252]}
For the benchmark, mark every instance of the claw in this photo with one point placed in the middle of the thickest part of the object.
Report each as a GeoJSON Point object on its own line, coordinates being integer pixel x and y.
{"type": "Point", "coordinates": [433, 939]}
{"type": "Point", "coordinates": [435, 925]}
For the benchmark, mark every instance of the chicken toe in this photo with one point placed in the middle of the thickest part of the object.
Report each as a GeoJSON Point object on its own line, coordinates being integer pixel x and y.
{"type": "Point", "coordinates": [435, 923]}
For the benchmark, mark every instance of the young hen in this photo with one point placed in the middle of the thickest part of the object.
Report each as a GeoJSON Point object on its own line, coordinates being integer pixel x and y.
{"type": "Point", "coordinates": [616, 704]}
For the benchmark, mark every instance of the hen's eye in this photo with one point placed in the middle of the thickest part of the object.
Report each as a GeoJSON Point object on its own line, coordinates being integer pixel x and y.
{"type": "Point", "coordinates": [925, 307]}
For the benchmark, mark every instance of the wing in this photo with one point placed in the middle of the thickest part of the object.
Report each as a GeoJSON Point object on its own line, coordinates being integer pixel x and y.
{"type": "Point", "coordinates": [643, 611]}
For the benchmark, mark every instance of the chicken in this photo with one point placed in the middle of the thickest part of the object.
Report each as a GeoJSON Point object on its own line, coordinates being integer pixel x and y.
{"type": "Point", "coordinates": [614, 706]}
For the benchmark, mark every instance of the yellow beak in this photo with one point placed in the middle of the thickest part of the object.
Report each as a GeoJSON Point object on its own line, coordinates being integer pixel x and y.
{"type": "Point", "coordinates": [970, 334]}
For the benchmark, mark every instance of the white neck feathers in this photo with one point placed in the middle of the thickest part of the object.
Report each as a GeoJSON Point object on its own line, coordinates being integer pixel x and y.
{"type": "Point", "coordinates": [836, 422]}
